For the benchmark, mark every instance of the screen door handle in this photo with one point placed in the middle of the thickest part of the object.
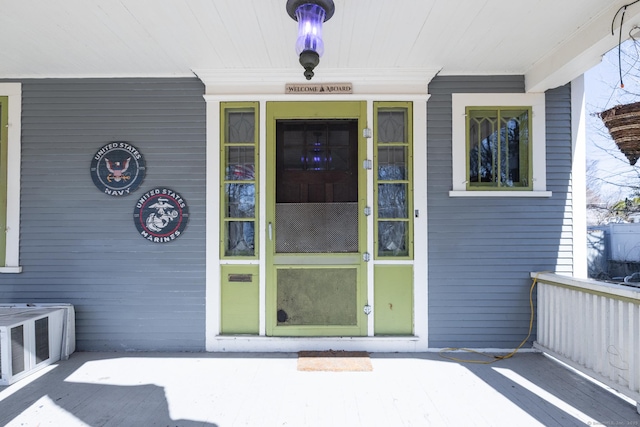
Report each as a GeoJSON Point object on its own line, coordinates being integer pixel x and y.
{"type": "Point", "coordinates": [270, 231]}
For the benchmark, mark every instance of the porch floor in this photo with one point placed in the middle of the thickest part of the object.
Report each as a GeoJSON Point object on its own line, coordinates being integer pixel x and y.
{"type": "Point", "coordinates": [266, 389]}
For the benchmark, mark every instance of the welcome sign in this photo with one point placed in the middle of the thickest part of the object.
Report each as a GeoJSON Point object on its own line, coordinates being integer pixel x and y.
{"type": "Point", "coordinates": [320, 88]}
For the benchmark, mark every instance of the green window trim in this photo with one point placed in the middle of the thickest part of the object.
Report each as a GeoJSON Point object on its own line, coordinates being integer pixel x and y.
{"type": "Point", "coordinates": [4, 124]}
{"type": "Point", "coordinates": [393, 180]}
{"type": "Point", "coordinates": [498, 148]}
{"type": "Point", "coordinates": [239, 173]}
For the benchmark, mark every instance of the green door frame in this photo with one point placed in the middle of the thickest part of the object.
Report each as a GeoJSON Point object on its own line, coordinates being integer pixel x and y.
{"type": "Point", "coordinates": [293, 110]}
{"type": "Point", "coordinates": [4, 149]}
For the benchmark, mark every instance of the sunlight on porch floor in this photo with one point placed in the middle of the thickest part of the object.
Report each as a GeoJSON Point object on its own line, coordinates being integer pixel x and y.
{"type": "Point", "coordinates": [266, 389]}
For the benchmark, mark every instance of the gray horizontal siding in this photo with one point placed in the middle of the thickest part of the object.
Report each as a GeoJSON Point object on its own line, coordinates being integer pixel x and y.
{"type": "Point", "coordinates": [81, 246]}
{"type": "Point", "coordinates": [481, 250]}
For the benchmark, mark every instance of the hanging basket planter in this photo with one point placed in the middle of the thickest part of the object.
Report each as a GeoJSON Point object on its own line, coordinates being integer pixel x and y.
{"type": "Point", "coordinates": [623, 122]}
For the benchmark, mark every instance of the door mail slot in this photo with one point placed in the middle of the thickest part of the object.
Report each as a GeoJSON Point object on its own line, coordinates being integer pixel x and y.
{"type": "Point", "coordinates": [240, 278]}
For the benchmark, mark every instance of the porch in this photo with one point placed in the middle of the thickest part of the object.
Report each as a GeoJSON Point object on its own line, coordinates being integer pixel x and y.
{"type": "Point", "coordinates": [266, 389]}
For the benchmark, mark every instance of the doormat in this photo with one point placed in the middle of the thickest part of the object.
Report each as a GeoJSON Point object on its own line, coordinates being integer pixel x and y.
{"type": "Point", "coordinates": [334, 361]}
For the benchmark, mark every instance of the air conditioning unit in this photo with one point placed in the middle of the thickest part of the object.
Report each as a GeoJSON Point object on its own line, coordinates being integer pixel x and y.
{"type": "Point", "coordinates": [32, 337]}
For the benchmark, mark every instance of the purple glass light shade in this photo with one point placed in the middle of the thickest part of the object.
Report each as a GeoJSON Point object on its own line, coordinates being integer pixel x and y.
{"type": "Point", "coordinates": [310, 15]}
{"type": "Point", "coordinates": [310, 18]}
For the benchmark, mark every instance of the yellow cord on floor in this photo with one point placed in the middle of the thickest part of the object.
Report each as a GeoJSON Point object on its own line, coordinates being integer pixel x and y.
{"type": "Point", "coordinates": [495, 358]}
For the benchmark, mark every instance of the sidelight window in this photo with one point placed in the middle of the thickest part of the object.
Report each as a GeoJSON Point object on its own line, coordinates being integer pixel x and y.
{"type": "Point", "coordinates": [393, 185]}
{"type": "Point", "coordinates": [239, 181]}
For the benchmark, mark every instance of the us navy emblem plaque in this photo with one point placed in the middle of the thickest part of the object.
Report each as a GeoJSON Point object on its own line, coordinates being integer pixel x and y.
{"type": "Point", "coordinates": [118, 169]}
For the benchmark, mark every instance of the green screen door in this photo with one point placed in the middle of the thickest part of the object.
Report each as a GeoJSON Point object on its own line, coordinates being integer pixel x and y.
{"type": "Point", "coordinates": [316, 280]}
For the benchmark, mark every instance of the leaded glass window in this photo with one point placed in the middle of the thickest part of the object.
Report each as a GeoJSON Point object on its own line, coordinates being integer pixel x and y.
{"type": "Point", "coordinates": [393, 187]}
{"type": "Point", "coordinates": [498, 147]}
{"type": "Point", "coordinates": [239, 158]}
{"type": "Point", "coordinates": [241, 126]}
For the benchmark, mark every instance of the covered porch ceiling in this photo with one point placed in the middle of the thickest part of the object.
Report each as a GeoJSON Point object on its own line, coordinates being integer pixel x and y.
{"type": "Point", "coordinates": [550, 42]}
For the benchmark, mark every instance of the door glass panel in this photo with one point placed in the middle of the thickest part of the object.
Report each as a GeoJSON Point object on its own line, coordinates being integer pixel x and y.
{"type": "Point", "coordinates": [391, 126]}
{"type": "Point", "coordinates": [316, 186]}
{"type": "Point", "coordinates": [241, 200]}
{"type": "Point", "coordinates": [240, 163]}
{"type": "Point", "coordinates": [241, 126]}
{"type": "Point", "coordinates": [392, 238]}
{"type": "Point", "coordinates": [240, 203]}
{"type": "Point", "coordinates": [239, 237]}
{"type": "Point", "coordinates": [392, 163]}
{"type": "Point", "coordinates": [392, 201]}
{"type": "Point", "coordinates": [317, 296]}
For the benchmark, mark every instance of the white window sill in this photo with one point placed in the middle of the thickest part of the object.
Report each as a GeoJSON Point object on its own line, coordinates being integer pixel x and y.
{"type": "Point", "coordinates": [489, 193]}
{"type": "Point", "coordinates": [11, 269]}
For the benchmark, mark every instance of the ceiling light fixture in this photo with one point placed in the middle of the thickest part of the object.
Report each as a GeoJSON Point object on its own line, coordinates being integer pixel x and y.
{"type": "Point", "coordinates": [310, 14]}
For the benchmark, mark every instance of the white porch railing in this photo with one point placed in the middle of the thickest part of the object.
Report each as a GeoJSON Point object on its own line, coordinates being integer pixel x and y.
{"type": "Point", "coordinates": [594, 327]}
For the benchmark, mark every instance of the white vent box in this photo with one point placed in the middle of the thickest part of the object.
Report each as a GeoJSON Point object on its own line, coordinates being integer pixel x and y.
{"type": "Point", "coordinates": [32, 337]}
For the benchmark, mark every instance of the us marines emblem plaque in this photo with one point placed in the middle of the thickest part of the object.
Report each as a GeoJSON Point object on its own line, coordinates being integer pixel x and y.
{"type": "Point", "coordinates": [161, 215]}
{"type": "Point", "coordinates": [118, 169]}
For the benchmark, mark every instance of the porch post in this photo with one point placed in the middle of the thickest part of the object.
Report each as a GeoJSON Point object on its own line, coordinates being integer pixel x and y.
{"type": "Point", "coordinates": [578, 178]}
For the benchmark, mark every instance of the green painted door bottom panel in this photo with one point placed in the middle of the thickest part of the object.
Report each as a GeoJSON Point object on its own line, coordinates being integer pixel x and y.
{"type": "Point", "coordinates": [240, 298]}
{"type": "Point", "coordinates": [393, 296]}
{"type": "Point", "coordinates": [319, 297]}
{"type": "Point", "coordinates": [314, 300]}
